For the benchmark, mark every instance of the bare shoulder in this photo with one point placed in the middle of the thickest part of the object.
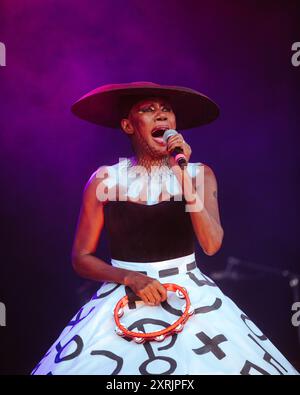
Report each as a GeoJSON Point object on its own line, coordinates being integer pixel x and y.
{"type": "Point", "coordinates": [209, 180]}
{"type": "Point", "coordinates": [211, 193]}
{"type": "Point", "coordinates": [208, 172]}
{"type": "Point", "coordinates": [95, 185]}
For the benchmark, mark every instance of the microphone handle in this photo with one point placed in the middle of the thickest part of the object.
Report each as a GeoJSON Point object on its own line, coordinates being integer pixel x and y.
{"type": "Point", "coordinates": [179, 157]}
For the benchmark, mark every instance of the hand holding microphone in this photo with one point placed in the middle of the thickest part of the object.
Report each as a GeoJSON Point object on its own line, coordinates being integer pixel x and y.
{"type": "Point", "coordinates": [180, 153]}
{"type": "Point", "coordinates": [179, 150]}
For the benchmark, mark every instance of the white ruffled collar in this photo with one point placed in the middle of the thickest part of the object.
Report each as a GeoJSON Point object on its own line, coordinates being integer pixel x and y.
{"type": "Point", "coordinates": [124, 174]}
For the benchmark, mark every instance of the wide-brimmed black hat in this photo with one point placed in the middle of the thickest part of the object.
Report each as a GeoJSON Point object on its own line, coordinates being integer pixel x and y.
{"type": "Point", "coordinates": [108, 104]}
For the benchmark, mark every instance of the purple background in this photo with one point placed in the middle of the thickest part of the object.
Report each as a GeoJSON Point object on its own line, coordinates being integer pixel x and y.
{"type": "Point", "coordinates": [236, 52]}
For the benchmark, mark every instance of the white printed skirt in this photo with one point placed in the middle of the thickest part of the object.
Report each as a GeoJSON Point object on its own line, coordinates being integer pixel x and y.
{"type": "Point", "coordinates": [218, 339]}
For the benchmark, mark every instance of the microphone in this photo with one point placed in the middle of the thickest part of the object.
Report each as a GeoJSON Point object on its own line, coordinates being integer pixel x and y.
{"type": "Point", "coordinates": [177, 152]}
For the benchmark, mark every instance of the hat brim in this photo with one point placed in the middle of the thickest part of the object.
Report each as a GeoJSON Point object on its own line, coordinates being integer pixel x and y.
{"type": "Point", "coordinates": [106, 106]}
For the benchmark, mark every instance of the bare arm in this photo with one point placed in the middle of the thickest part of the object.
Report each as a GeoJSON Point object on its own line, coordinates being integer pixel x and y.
{"type": "Point", "coordinates": [203, 208]}
{"type": "Point", "coordinates": [206, 222]}
{"type": "Point", "coordinates": [89, 227]}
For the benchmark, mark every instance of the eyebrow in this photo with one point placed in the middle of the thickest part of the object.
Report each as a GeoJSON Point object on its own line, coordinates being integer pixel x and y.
{"type": "Point", "coordinates": [152, 103]}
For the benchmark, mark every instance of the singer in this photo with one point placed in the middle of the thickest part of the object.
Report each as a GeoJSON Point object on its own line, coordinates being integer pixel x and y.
{"type": "Point", "coordinates": [155, 206]}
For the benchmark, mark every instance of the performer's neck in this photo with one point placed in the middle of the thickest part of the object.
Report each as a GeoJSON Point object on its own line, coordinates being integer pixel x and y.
{"type": "Point", "coordinates": [148, 162]}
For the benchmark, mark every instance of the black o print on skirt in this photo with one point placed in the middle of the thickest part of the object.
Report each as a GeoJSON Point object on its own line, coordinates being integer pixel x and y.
{"type": "Point", "coordinates": [112, 356]}
{"type": "Point", "coordinates": [79, 346]}
{"type": "Point", "coordinates": [246, 318]}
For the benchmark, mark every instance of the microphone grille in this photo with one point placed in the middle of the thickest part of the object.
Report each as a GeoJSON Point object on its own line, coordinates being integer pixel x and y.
{"type": "Point", "coordinates": [168, 133]}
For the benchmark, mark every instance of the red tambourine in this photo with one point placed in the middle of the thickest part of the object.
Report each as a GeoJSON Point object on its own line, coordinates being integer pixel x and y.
{"type": "Point", "coordinates": [159, 336]}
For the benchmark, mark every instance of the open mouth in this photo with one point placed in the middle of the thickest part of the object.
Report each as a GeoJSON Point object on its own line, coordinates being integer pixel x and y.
{"type": "Point", "coordinates": [157, 135]}
{"type": "Point", "coordinates": [159, 132]}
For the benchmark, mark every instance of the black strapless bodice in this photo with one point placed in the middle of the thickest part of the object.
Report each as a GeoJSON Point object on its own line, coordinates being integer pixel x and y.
{"type": "Point", "coordinates": [148, 233]}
